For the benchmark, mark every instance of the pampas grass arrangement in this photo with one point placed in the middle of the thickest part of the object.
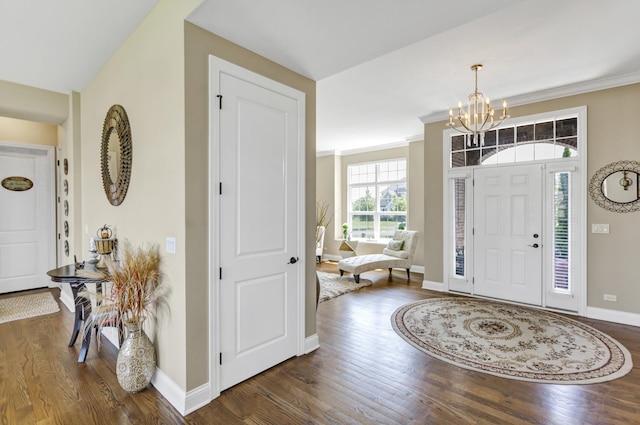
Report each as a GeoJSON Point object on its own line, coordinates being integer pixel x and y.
{"type": "Point", "coordinates": [136, 291]}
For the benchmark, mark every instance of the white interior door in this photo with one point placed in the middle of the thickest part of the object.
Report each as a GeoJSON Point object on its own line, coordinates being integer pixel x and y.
{"type": "Point", "coordinates": [259, 221]}
{"type": "Point", "coordinates": [507, 233]}
{"type": "Point", "coordinates": [27, 226]}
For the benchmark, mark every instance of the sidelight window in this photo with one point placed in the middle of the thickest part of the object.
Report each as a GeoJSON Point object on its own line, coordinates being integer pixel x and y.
{"type": "Point", "coordinates": [561, 231]}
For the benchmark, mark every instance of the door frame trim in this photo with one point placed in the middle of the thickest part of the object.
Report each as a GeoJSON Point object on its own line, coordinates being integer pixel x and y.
{"type": "Point", "coordinates": [216, 67]}
{"type": "Point", "coordinates": [581, 188]}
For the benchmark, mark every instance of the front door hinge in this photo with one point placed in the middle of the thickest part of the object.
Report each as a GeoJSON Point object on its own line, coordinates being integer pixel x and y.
{"type": "Point", "coordinates": [219, 96]}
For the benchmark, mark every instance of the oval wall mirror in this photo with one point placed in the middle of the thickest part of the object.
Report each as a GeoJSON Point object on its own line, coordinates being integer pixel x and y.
{"type": "Point", "coordinates": [614, 187]}
{"type": "Point", "coordinates": [116, 154]}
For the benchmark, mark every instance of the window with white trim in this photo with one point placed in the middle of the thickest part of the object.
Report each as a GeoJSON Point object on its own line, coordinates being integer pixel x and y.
{"type": "Point", "coordinates": [526, 141]}
{"type": "Point", "coordinates": [377, 199]}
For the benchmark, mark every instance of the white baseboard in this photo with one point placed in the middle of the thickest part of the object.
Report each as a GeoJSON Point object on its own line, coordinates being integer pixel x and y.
{"type": "Point", "coordinates": [183, 402]}
{"type": "Point", "coordinates": [615, 316]}
{"type": "Point", "coordinates": [170, 390]}
{"type": "Point", "coordinates": [197, 398]}
{"type": "Point", "coordinates": [188, 402]}
{"type": "Point", "coordinates": [417, 269]}
{"type": "Point", "coordinates": [433, 286]}
{"type": "Point", "coordinates": [67, 299]}
{"type": "Point", "coordinates": [311, 343]}
{"type": "Point", "coordinates": [111, 334]}
{"type": "Point", "coordinates": [331, 257]}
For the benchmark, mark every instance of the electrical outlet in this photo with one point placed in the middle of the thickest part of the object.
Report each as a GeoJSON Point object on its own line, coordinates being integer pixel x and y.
{"type": "Point", "coordinates": [599, 228]}
{"type": "Point", "coordinates": [608, 297]}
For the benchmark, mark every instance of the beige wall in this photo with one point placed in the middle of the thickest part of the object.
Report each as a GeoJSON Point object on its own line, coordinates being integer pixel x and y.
{"type": "Point", "coordinates": [327, 168]}
{"type": "Point", "coordinates": [199, 45]}
{"type": "Point", "coordinates": [32, 104]}
{"type": "Point", "coordinates": [331, 179]}
{"type": "Point", "coordinates": [612, 136]}
{"type": "Point", "coordinates": [22, 131]}
{"type": "Point", "coordinates": [146, 76]}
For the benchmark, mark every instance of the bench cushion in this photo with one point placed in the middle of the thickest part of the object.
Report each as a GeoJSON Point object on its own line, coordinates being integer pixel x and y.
{"type": "Point", "coordinates": [398, 254]}
{"type": "Point", "coordinates": [363, 263]}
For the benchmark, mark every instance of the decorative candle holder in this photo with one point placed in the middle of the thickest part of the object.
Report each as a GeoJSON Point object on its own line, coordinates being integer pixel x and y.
{"type": "Point", "coordinates": [105, 245]}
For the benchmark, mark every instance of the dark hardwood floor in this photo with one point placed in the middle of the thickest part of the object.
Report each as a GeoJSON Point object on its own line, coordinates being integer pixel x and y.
{"type": "Point", "coordinates": [363, 373]}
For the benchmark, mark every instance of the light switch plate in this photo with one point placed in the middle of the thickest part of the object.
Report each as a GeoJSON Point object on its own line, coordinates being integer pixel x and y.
{"type": "Point", "coordinates": [170, 245]}
{"type": "Point", "coordinates": [599, 228]}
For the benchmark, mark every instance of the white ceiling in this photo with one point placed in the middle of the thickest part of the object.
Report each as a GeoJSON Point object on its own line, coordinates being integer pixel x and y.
{"type": "Point", "coordinates": [61, 45]}
{"type": "Point", "coordinates": [380, 65]}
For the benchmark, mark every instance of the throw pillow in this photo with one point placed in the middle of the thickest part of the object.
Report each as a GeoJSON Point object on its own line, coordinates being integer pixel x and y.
{"type": "Point", "coordinates": [395, 245]}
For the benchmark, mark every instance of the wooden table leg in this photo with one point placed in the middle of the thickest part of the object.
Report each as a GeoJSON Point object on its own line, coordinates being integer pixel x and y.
{"type": "Point", "coordinates": [79, 314]}
{"type": "Point", "coordinates": [86, 341]}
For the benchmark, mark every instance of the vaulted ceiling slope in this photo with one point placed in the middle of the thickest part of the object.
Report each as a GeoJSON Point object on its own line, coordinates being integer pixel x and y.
{"type": "Point", "coordinates": [61, 45]}
{"type": "Point", "coordinates": [380, 65]}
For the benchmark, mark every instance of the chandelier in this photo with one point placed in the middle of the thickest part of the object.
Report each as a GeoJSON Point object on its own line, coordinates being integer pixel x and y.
{"type": "Point", "coordinates": [478, 117]}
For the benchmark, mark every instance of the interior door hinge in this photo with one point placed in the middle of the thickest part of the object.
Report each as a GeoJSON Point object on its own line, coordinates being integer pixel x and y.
{"type": "Point", "coordinates": [220, 273]}
{"type": "Point", "coordinates": [219, 96]}
{"type": "Point", "coordinates": [220, 188]}
{"type": "Point", "coordinates": [220, 358]}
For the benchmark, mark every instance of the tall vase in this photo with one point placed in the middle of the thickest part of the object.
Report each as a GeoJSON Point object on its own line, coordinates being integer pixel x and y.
{"type": "Point", "coordinates": [136, 360]}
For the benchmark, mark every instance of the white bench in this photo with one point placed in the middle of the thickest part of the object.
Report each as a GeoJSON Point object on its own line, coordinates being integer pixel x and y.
{"type": "Point", "coordinates": [391, 258]}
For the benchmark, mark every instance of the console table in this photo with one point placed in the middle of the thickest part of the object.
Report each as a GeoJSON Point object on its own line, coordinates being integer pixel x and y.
{"type": "Point", "coordinates": [69, 274]}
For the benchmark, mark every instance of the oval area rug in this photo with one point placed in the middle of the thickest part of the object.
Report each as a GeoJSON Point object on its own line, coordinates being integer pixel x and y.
{"type": "Point", "coordinates": [511, 341]}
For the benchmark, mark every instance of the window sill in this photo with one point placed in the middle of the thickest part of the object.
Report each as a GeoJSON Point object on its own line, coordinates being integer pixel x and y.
{"type": "Point", "coordinates": [370, 241]}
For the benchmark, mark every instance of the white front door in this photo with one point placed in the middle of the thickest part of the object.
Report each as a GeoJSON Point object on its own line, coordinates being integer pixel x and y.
{"type": "Point", "coordinates": [507, 233]}
{"type": "Point", "coordinates": [260, 277]}
{"type": "Point", "coordinates": [27, 226]}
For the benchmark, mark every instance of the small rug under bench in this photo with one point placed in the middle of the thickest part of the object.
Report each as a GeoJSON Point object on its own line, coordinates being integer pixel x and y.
{"type": "Point", "coordinates": [333, 285]}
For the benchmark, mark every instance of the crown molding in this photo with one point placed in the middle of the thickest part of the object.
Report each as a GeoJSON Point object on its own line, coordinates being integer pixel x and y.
{"type": "Point", "coordinates": [554, 93]}
{"type": "Point", "coordinates": [366, 149]}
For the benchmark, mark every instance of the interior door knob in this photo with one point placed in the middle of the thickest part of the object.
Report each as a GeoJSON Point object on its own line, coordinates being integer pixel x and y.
{"type": "Point", "coordinates": [535, 245]}
{"type": "Point", "coordinates": [293, 260]}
